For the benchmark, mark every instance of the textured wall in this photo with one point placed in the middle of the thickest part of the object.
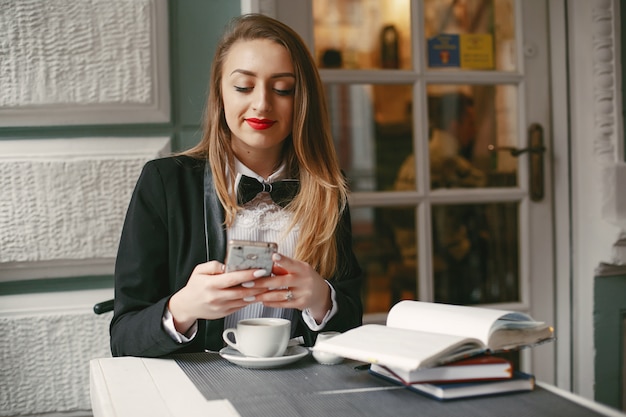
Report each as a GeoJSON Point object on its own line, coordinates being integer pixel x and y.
{"type": "Point", "coordinates": [44, 361]}
{"type": "Point", "coordinates": [66, 200]}
{"type": "Point", "coordinates": [67, 62]}
{"type": "Point", "coordinates": [67, 51]}
{"type": "Point", "coordinates": [63, 209]}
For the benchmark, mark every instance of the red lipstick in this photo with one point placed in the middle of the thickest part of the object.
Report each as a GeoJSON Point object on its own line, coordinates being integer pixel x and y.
{"type": "Point", "coordinates": [260, 124]}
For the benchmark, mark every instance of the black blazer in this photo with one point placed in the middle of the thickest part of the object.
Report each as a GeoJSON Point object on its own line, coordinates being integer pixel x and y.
{"type": "Point", "coordinates": [175, 222]}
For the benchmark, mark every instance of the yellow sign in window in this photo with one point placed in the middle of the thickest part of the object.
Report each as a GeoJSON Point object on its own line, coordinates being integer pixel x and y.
{"type": "Point", "coordinates": [476, 51]}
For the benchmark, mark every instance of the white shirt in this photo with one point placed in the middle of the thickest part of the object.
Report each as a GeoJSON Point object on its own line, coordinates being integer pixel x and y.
{"type": "Point", "coordinates": [263, 220]}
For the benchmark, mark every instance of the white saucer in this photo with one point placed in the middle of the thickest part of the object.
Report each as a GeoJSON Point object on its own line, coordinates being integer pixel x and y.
{"type": "Point", "coordinates": [292, 354]}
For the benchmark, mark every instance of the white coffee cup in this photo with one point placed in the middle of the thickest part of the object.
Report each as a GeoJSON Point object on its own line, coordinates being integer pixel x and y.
{"type": "Point", "coordinates": [260, 337]}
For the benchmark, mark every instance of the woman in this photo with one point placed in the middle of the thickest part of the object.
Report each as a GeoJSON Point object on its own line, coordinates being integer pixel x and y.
{"type": "Point", "coordinates": [266, 119]}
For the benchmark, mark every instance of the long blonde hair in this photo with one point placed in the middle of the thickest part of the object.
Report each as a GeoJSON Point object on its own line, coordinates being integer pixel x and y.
{"type": "Point", "coordinates": [308, 153]}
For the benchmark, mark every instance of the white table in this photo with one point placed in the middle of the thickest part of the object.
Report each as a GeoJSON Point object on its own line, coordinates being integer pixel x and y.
{"type": "Point", "coordinates": [135, 387]}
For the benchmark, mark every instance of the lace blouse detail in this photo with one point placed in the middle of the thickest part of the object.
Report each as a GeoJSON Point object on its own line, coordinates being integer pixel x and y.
{"type": "Point", "coordinates": [262, 219]}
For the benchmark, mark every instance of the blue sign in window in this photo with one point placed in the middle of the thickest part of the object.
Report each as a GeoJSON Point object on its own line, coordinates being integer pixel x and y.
{"type": "Point", "coordinates": [444, 51]}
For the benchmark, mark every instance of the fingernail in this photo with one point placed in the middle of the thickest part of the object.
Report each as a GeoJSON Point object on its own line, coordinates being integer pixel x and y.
{"type": "Point", "coordinates": [223, 268]}
{"type": "Point", "coordinates": [247, 284]}
{"type": "Point", "coordinates": [259, 273]}
{"type": "Point", "coordinates": [276, 257]}
{"type": "Point", "coordinates": [249, 298]}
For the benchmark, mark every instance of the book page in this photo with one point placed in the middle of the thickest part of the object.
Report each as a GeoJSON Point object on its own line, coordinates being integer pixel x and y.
{"type": "Point", "coordinates": [393, 347]}
{"type": "Point", "coordinates": [463, 321]}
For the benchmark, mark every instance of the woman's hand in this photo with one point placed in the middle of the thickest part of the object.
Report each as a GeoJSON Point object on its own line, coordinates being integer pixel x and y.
{"type": "Point", "coordinates": [211, 294]}
{"type": "Point", "coordinates": [295, 284]}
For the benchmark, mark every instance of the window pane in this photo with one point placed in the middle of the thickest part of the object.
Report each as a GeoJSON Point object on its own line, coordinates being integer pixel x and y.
{"type": "Point", "coordinates": [362, 34]}
{"type": "Point", "coordinates": [464, 121]}
{"type": "Point", "coordinates": [475, 253]}
{"type": "Point", "coordinates": [385, 245]}
{"type": "Point", "coordinates": [373, 130]}
{"type": "Point", "coordinates": [470, 34]}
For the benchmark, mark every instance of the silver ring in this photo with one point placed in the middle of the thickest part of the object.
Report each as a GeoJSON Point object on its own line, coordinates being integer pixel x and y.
{"type": "Point", "coordinates": [289, 296]}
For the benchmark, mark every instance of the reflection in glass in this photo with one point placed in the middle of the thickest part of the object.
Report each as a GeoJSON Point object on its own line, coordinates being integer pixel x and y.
{"type": "Point", "coordinates": [362, 34]}
{"type": "Point", "coordinates": [463, 122]}
{"type": "Point", "coordinates": [470, 34]}
{"type": "Point", "coordinates": [475, 253]}
{"type": "Point", "coordinates": [373, 131]}
{"type": "Point", "coordinates": [385, 245]}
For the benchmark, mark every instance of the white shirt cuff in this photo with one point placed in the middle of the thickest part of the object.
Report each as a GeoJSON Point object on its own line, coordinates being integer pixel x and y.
{"type": "Point", "coordinates": [170, 329]}
{"type": "Point", "coordinates": [310, 321]}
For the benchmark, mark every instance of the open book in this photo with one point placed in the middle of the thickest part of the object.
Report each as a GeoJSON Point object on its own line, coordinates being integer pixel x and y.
{"type": "Point", "coordinates": [421, 335]}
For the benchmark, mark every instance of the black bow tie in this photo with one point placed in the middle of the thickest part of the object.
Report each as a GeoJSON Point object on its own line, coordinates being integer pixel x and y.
{"type": "Point", "coordinates": [282, 192]}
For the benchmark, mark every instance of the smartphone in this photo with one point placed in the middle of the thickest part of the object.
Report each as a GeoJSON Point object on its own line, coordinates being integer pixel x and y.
{"type": "Point", "coordinates": [249, 254]}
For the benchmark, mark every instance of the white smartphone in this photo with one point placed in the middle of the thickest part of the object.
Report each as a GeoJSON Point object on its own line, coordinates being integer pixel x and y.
{"type": "Point", "coordinates": [249, 254]}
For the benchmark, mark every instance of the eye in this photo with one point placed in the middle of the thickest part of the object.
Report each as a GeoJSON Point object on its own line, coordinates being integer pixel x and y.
{"type": "Point", "coordinates": [242, 89]}
{"type": "Point", "coordinates": [284, 92]}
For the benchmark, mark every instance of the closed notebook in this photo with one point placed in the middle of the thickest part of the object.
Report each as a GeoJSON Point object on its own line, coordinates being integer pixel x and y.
{"type": "Point", "coordinates": [453, 391]}
{"type": "Point", "coordinates": [478, 368]}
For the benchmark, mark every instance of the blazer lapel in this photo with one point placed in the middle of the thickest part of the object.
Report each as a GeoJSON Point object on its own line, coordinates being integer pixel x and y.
{"type": "Point", "coordinates": [213, 220]}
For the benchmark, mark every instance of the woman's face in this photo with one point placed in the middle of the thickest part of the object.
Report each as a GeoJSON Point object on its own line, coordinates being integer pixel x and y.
{"type": "Point", "coordinates": [258, 83]}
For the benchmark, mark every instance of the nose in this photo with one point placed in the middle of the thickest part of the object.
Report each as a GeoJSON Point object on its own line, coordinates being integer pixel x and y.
{"type": "Point", "coordinates": [261, 100]}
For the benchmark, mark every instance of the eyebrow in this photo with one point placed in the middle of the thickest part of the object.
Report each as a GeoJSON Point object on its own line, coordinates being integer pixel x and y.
{"type": "Point", "coordinates": [253, 74]}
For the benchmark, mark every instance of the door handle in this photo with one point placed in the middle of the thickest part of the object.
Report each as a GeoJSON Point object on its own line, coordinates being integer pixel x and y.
{"type": "Point", "coordinates": [535, 149]}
